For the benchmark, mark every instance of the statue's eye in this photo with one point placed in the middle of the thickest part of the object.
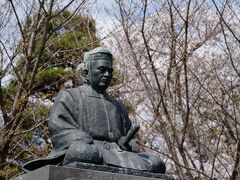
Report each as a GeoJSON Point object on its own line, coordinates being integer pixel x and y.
{"type": "Point", "coordinates": [102, 69]}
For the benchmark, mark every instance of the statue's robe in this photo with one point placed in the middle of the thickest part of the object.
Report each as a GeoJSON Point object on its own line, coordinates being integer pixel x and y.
{"type": "Point", "coordinates": [81, 113]}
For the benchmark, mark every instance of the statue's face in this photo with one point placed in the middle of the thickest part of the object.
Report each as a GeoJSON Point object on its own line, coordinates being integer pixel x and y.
{"type": "Point", "coordinates": [100, 74]}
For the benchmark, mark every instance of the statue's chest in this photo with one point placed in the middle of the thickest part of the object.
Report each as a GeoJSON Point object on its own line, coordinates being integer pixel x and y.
{"type": "Point", "coordinates": [102, 119]}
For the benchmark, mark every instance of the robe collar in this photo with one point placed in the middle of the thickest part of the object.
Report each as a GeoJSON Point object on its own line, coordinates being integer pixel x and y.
{"type": "Point", "coordinates": [90, 92]}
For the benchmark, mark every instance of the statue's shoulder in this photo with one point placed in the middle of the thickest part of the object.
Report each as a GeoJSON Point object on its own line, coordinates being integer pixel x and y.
{"type": "Point", "coordinates": [117, 102]}
{"type": "Point", "coordinates": [76, 91]}
{"type": "Point", "coordinates": [69, 93]}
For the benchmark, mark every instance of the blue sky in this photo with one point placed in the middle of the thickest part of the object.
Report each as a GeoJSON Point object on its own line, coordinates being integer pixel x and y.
{"type": "Point", "coordinates": [105, 20]}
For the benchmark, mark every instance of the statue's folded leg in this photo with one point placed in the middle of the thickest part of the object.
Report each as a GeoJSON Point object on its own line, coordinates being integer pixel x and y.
{"type": "Point", "coordinates": [113, 155]}
{"type": "Point", "coordinates": [156, 164]}
{"type": "Point", "coordinates": [81, 152]}
{"type": "Point", "coordinates": [100, 153]}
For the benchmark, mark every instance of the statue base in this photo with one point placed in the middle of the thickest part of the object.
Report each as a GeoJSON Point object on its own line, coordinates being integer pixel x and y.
{"type": "Point", "coordinates": [89, 172]}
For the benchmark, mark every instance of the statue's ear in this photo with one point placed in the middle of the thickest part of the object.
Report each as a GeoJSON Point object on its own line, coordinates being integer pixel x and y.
{"type": "Point", "coordinates": [85, 72]}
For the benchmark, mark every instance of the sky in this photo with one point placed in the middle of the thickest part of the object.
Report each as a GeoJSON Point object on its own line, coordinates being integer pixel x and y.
{"type": "Point", "coordinates": [104, 20]}
{"type": "Point", "coordinates": [97, 11]}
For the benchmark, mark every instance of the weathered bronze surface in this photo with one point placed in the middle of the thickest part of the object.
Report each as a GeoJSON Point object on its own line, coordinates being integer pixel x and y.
{"type": "Point", "coordinates": [87, 125]}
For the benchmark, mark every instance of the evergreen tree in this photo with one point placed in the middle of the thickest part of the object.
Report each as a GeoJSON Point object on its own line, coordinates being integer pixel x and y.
{"type": "Point", "coordinates": [69, 35]}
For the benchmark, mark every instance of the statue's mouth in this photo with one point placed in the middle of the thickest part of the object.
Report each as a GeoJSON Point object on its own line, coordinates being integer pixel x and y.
{"type": "Point", "coordinates": [105, 80]}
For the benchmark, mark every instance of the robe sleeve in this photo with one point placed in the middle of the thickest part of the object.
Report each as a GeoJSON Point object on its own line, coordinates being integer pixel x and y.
{"type": "Point", "coordinates": [133, 145]}
{"type": "Point", "coordinates": [63, 123]}
{"type": "Point", "coordinates": [127, 122]}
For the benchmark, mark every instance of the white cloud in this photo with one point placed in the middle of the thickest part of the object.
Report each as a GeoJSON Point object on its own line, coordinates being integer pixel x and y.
{"type": "Point", "coordinates": [104, 19]}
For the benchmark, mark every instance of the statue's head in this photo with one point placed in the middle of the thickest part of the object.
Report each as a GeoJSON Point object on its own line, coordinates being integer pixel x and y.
{"type": "Point", "coordinates": [98, 68]}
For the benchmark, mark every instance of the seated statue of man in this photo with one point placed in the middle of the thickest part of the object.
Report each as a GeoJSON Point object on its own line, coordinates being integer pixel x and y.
{"type": "Point", "coordinates": [88, 125]}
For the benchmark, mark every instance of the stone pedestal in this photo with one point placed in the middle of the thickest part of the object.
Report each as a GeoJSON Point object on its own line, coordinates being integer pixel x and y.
{"type": "Point", "coordinates": [51, 172]}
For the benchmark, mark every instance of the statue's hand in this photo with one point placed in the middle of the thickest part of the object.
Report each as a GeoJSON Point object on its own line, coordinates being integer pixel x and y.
{"type": "Point", "coordinates": [81, 152]}
{"type": "Point", "coordinates": [83, 137]}
{"type": "Point", "coordinates": [132, 146]}
{"type": "Point", "coordinates": [121, 144]}
{"type": "Point", "coordinates": [86, 140]}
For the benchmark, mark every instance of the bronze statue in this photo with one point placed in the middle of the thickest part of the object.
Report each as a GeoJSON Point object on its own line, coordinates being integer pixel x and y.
{"type": "Point", "coordinates": [87, 125]}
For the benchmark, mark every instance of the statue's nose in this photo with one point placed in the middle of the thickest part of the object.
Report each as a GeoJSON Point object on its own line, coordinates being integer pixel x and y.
{"type": "Point", "coordinates": [107, 74]}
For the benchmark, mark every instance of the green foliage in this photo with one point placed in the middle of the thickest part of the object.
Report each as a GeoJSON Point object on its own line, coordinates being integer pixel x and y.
{"type": "Point", "coordinates": [64, 50]}
{"type": "Point", "coordinates": [81, 23]}
{"type": "Point", "coordinates": [9, 92]}
{"type": "Point", "coordinates": [67, 42]}
{"type": "Point", "coordinates": [30, 117]}
{"type": "Point", "coordinates": [43, 112]}
{"type": "Point", "coordinates": [10, 171]}
{"type": "Point", "coordinates": [53, 75]}
{"type": "Point", "coordinates": [72, 39]}
{"type": "Point", "coordinates": [27, 120]}
{"type": "Point", "coordinates": [117, 77]}
{"type": "Point", "coordinates": [131, 109]}
{"type": "Point", "coordinates": [11, 88]}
